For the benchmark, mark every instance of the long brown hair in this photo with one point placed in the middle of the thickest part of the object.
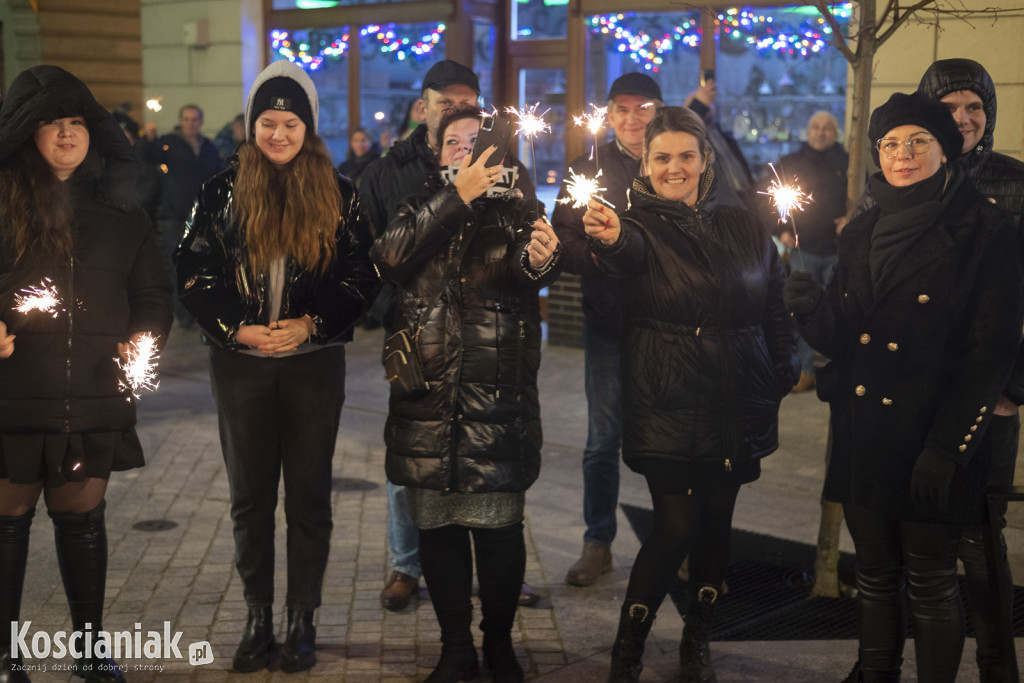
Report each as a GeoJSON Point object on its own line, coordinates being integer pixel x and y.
{"type": "Point", "coordinates": [292, 211]}
{"type": "Point", "coordinates": [36, 213]}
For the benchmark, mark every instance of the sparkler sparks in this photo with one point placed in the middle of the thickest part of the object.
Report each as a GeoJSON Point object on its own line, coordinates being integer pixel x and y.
{"type": "Point", "coordinates": [140, 368]}
{"type": "Point", "coordinates": [42, 298]}
{"type": "Point", "coordinates": [531, 123]}
{"type": "Point", "coordinates": [593, 121]}
{"type": "Point", "coordinates": [582, 189]}
{"type": "Point", "coordinates": [786, 198]}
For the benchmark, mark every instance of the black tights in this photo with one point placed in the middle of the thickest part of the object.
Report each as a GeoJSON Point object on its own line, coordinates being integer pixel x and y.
{"type": "Point", "coordinates": [447, 562]}
{"type": "Point", "coordinates": [696, 524]}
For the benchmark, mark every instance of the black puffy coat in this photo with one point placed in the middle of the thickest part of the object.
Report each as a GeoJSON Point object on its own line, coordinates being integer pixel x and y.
{"type": "Point", "coordinates": [602, 295]}
{"type": "Point", "coordinates": [923, 363]}
{"type": "Point", "coordinates": [185, 171]}
{"type": "Point", "coordinates": [62, 376]}
{"type": "Point", "coordinates": [821, 174]}
{"type": "Point", "coordinates": [218, 287]}
{"type": "Point", "coordinates": [708, 350]}
{"type": "Point", "coordinates": [478, 429]}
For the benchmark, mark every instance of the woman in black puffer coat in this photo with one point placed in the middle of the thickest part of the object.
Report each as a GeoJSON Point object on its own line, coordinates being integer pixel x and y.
{"type": "Point", "coordinates": [69, 221]}
{"type": "Point", "coordinates": [469, 448]}
{"type": "Point", "coordinates": [922, 321]}
{"type": "Point", "coordinates": [708, 353]}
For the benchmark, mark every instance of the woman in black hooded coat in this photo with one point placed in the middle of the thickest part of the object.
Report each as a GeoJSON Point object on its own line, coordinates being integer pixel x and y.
{"type": "Point", "coordinates": [68, 222]}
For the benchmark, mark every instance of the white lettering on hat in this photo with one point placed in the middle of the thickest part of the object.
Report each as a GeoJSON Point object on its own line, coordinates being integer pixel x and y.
{"type": "Point", "coordinates": [282, 103]}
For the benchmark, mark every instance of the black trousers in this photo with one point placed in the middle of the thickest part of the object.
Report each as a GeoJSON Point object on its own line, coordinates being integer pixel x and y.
{"type": "Point", "coordinates": [280, 415]}
{"type": "Point", "coordinates": [897, 561]}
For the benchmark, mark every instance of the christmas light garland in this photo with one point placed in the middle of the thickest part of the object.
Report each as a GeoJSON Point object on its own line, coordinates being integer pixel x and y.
{"type": "Point", "coordinates": [389, 42]}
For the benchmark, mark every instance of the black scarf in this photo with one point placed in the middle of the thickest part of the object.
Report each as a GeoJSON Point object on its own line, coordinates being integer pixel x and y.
{"type": "Point", "coordinates": [907, 214]}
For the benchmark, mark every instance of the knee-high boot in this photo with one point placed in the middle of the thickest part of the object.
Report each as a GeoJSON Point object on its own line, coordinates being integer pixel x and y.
{"type": "Point", "coordinates": [627, 654]}
{"type": "Point", "coordinates": [81, 540]}
{"type": "Point", "coordinates": [13, 556]}
{"type": "Point", "coordinates": [694, 650]}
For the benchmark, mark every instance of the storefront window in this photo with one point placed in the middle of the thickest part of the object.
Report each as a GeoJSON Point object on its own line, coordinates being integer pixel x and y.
{"type": "Point", "coordinates": [484, 36]}
{"type": "Point", "coordinates": [533, 19]}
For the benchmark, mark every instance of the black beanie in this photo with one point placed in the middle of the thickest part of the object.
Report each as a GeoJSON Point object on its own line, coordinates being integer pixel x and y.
{"type": "Point", "coordinates": [283, 94]}
{"type": "Point", "coordinates": [916, 109]}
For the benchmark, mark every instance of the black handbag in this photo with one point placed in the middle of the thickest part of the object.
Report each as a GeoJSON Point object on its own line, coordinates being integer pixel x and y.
{"type": "Point", "coordinates": [402, 364]}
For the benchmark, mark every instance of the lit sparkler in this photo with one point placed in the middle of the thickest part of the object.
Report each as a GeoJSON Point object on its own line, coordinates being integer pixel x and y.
{"type": "Point", "coordinates": [140, 368]}
{"type": "Point", "coordinates": [592, 122]}
{"type": "Point", "coordinates": [531, 123]}
{"type": "Point", "coordinates": [582, 189]}
{"type": "Point", "coordinates": [787, 199]}
{"type": "Point", "coordinates": [42, 298]}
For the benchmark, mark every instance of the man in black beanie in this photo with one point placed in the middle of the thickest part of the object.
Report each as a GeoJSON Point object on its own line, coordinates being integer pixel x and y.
{"type": "Point", "coordinates": [967, 89]}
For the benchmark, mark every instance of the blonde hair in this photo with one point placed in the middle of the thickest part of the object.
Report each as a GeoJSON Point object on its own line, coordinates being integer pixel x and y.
{"type": "Point", "coordinates": [291, 211]}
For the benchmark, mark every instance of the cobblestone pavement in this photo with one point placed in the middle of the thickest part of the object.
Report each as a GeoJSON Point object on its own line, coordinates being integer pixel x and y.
{"type": "Point", "coordinates": [184, 575]}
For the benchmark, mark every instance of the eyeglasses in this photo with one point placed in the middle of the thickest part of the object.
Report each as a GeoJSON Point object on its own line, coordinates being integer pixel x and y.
{"type": "Point", "coordinates": [915, 144]}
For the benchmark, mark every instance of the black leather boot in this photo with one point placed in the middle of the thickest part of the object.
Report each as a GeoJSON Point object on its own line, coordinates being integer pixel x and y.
{"type": "Point", "coordinates": [81, 540]}
{"type": "Point", "coordinates": [253, 652]}
{"type": "Point", "coordinates": [458, 662]}
{"type": "Point", "coordinates": [694, 650]}
{"type": "Point", "coordinates": [299, 650]}
{"type": "Point", "coordinates": [855, 675]}
{"type": "Point", "coordinates": [13, 556]}
{"type": "Point", "coordinates": [635, 623]}
{"type": "Point", "coordinates": [501, 659]}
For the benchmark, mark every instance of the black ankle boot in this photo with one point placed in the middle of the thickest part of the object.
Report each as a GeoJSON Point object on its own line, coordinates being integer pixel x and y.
{"type": "Point", "coordinates": [627, 653]}
{"type": "Point", "coordinates": [694, 650]}
{"type": "Point", "coordinates": [253, 652]}
{"type": "Point", "coordinates": [458, 663]}
{"type": "Point", "coordinates": [13, 556]}
{"type": "Point", "coordinates": [501, 659]}
{"type": "Point", "coordinates": [299, 650]}
{"type": "Point", "coordinates": [81, 540]}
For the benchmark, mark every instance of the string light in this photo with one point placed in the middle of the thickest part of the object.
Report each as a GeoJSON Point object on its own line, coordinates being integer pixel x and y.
{"type": "Point", "coordinates": [389, 41]}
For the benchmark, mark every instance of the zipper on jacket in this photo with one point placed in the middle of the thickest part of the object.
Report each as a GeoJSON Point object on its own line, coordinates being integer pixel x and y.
{"type": "Point", "coordinates": [728, 465]}
{"type": "Point", "coordinates": [70, 298]}
{"type": "Point", "coordinates": [497, 350]}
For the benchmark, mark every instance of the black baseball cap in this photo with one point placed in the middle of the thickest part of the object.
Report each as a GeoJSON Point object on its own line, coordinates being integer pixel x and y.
{"type": "Point", "coordinates": [635, 84]}
{"type": "Point", "coordinates": [449, 72]}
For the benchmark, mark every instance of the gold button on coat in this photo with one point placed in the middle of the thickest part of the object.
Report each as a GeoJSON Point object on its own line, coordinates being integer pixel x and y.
{"type": "Point", "coordinates": [892, 346]}
{"type": "Point", "coordinates": [923, 299]}
{"type": "Point", "coordinates": [886, 401]}
{"type": "Point", "coordinates": [974, 428]}
{"type": "Point", "coordinates": [865, 338]}
{"type": "Point", "coordinates": [860, 390]}
{"type": "Point", "coordinates": [963, 447]}
{"type": "Point", "coordinates": [983, 410]}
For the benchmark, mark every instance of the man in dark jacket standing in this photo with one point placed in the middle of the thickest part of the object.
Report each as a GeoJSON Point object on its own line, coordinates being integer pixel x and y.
{"type": "Point", "coordinates": [967, 89]}
{"type": "Point", "coordinates": [187, 160]}
{"type": "Point", "coordinates": [819, 167]}
{"type": "Point", "coordinates": [403, 172]}
{"type": "Point", "coordinates": [629, 111]}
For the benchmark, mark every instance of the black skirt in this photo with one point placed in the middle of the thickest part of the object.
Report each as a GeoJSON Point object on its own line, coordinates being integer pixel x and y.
{"type": "Point", "coordinates": [668, 477]}
{"type": "Point", "coordinates": [58, 458]}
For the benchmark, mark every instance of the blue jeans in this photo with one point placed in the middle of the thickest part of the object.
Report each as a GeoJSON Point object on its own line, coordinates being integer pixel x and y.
{"type": "Point", "coordinates": [821, 270]}
{"type": "Point", "coordinates": [604, 434]}
{"type": "Point", "coordinates": [403, 536]}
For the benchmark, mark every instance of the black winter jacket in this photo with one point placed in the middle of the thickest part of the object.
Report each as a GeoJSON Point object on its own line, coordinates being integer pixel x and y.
{"type": "Point", "coordinates": [184, 172]}
{"type": "Point", "coordinates": [478, 429]}
{"type": "Point", "coordinates": [602, 295]}
{"type": "Point", "coordinates": [62, 376]}
{"type": "Point", "coordinates": [708, 351]}
{"type": "Point", "coordinates": [823, 176]}
{"type": "Point", "coordinates": [923, 363]}
{"type": "Point", "coordinates": [218, 287]}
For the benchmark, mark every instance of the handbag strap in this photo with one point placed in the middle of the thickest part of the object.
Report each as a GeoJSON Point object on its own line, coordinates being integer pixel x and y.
{"type": "Point", "coordinates": [453, 266]}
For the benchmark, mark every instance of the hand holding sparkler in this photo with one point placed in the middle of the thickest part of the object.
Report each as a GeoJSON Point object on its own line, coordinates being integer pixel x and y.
{"type": "Point", "coordinates": [543, 242]}
{"type": "Point", "coordinates": [138, 360]}
{"type": "Point", "coordinates": [6, 342]}
{"type": "Point", "coordinates": [601, 222]}
{"type": "Point", "coordinates": [582, 189]}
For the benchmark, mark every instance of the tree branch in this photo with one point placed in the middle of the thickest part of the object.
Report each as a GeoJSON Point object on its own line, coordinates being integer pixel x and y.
{"type": "Point", "coordinates": [897, 22]}
{"type": "Point", "coordinates": [838, 40]}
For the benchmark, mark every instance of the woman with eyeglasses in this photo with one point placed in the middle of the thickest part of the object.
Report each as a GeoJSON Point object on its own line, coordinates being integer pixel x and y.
{"type": "Point", "coordinates": [922, 321]}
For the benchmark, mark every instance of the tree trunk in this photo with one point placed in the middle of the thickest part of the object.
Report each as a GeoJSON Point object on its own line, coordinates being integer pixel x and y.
{"type": "Point", "coordinates": [856, 138]}
{"type": "Point", "coordinates": [826, 562]}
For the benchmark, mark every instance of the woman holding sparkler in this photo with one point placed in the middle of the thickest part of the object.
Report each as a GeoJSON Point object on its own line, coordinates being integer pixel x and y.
{"type": "Point", "coordinates": [922, 321]}
{"type": "Point", "coordinates": [80, 282]}
{"type": "Point", "coordinates": [708, 353]}
{"type": "Point", "coordinates": [468, 448]}
{"type": "Point", "coordinates": [274, 266]}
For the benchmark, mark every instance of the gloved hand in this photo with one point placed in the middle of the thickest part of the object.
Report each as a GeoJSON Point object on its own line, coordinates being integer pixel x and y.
{"type": "Point", "coordinates": [801, 293]}
{"type": "Point", "coordinates": [929, 484]}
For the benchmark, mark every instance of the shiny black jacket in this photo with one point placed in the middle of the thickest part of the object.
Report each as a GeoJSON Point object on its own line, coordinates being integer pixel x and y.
{"type": "Point", "coordinates": [921, 363]}
{"type": "Point", "coordinates": [708, 351]}
{"type": "Point", "coordinates": [478, 429]}
{"type": "Point", "coordinates": [602, 295]}
{"type": "Point", "coordinates": [62, 376]}
{"type": "Point", "coordinates": [218, 287]}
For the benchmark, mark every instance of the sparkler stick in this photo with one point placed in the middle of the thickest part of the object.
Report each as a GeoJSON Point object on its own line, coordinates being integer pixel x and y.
{"type": "Point", "coordinates": [140, 368]}
{"type": "Point", "coordinates": [787, 199]}
{"type": "Point", "coordinates": [42, 298]}
{"type": "Point", "coordinates": [582, 189]}
{"type": "Point", "coordinates": [531, 124]}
